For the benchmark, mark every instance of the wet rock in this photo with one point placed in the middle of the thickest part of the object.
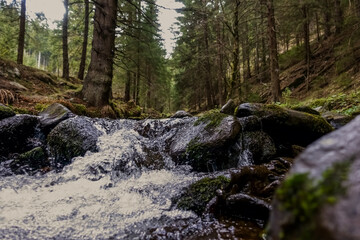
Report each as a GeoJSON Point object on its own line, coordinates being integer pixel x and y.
{"type": "Point", "coordinates": [259, 146]}
{"type": "Point", "coordinates": [306, 109]}
{"type": "Point", "coordinates": [5, 112]}
{"type": "Point", "coordinates": [250, 123]}
{"type": "Point", "coordinates": [286, 126]}
{"type": "Point", "coordinates": [53, 115]}
{"type": "Point", "coordinates": [181, 114]}
{"type": "Point", "coordinates": [15, 133]}
{"type": "Point", "coordinates": [198, 195]}
{"type": "Point", "coordinates": [320, 198]}
{"type": "Point", "coordinates": [245, 206]}
{"type": "Point", "coordinates": [337, 120]}
{"type": "Point", "coordinates": [34, 159]}
{"type": "Point", "coordinates": [72, 138]}
{"type": "Point", "coordinates": [204, 145]}
{"type": "Point", "coordinates": [229, 107]}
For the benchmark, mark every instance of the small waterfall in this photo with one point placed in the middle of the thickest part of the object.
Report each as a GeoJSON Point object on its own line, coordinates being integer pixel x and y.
{"type": "Point", "coordinates": [123, 191]}
{"type": "Point", "coordinates": [115, 192]}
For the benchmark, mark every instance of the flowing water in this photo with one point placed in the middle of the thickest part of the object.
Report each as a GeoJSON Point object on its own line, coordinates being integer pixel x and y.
{"type": "Point", "coordinates": [123, 191]}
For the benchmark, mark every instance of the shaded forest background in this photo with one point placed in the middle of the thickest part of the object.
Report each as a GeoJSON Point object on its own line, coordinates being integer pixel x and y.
{"type": "Point", "coordinates": [248, 50]}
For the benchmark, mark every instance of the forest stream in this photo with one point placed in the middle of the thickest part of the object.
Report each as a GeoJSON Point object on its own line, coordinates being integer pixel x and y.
{"type": "Point", "coordinates": [92, 199]}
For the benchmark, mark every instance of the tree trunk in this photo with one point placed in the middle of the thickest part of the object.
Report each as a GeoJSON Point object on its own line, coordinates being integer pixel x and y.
{"type": "Point", "coordinates": [327, 18]}
{"type": "Point", "coordinates": [65, 41]}
{"type": "Point", "coordinates": [338, 17]}
{"type": "Point", "coordinates": [305, 10]}
{"type": "Point", "coordinates": [97, 84]}
{"type": "Point", "coordinates": [128, 86]}
{"type": "Point", "coordinates": [235, 76]}
{"type": "Point", "coordinates": [85, 41]}
{"type": "Point", "coordinates": [208, 84]}
{"type": "Point", "coordinates": [274, 64]}
{"type": "Point", "coordinates": [21, 42]}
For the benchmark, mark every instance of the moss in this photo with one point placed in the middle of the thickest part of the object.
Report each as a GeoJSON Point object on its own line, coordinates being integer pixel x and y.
{"type": "Point", "coordinates": [198, 194]}
{"type": "Point", "coordinates": [6, 112]}
{"type": "Point", "coordinates": [41, 106]}
{"type": "Point", "coordinates": [213, 119]}
{"type": "Point", "coordinates": [304, 197]}
{"type": "Point", "coordinates": [79, 109]}
{"type": "Point", "coordinates": [197, 155]}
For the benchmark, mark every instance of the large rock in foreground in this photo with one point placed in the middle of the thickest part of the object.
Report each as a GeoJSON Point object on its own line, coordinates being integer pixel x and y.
{"type": "Point", "coordinates": [320, 198]}
{"type": "Point", "coordinates": [16, 133]}
{"type": "Point", "coordinates": [285, 125]}
{"type": "Point", "coordinates": [72, 138]}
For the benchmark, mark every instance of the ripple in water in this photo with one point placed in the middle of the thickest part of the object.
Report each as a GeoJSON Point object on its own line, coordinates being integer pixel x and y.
{"type": "Point", "coordinates": [106, 195]}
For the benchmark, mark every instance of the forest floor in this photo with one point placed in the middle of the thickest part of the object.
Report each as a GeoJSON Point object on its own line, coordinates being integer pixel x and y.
{"type": "Point", "coordinates": [334, 80]}
{"type": "Point", "coordinates": [333, 84]}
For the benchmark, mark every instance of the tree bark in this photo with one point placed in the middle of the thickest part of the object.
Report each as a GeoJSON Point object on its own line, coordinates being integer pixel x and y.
{"type": "Point", "coordinates": [128, 86]}
{"type": "Point", "coordinates": [274, 64]}
{"type": "Point", "coordinates": [235, 76]}
{"type": "Point", "coordinates": [327, 18]}
{"type": "Point", "coordinates": [338, 17]}
{"type": "Point", "coordinates": [97, 84]}
{"type": "Point", "coordinates": [305, 11]}
{"type": "Point", "coordinates": [85, 41]}
{"type": "Point", "coordinates": [21, 42]}
{"type": "Point", "coordinates": [65, 41]}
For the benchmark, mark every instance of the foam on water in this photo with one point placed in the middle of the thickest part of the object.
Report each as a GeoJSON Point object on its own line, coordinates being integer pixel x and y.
{"type": "Point", "coordinates": [92, 198]}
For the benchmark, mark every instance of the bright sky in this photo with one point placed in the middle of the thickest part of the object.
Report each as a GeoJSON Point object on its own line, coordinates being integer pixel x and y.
{"type": "Point", "coordinates": [54, 10]}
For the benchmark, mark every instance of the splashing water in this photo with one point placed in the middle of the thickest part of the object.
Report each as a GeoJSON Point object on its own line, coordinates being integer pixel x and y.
{"type": "Point", "coordinates": [116, 193]}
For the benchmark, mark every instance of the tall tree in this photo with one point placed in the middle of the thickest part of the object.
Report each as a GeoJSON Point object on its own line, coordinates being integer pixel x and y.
{"type": "Point", "coordinates": [274, 63]}
{"type": "Point", "coordinates": [65, 41]}
{"type": "Point", "coordinates": [97, 83]}
{"type": "Point", "coordinates": [21, 43]}
{"type": "Point", "coordinates": [85, 41]}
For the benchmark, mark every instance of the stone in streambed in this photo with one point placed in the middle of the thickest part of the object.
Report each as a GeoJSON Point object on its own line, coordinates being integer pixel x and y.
{"type": "Point", "coordinates": [72, 138]}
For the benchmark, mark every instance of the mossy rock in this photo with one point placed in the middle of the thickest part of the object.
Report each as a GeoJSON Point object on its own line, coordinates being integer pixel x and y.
{"type": "Point", "coordinates": [29, 161]}
{"type": "Point", "coordinates": [287, 126]}
{"type": "Point", "coordinates": [212, 119]}
{"type": "Point", "coordinates": [5, 112]}
{"type": "Point", "coordinates": [318, 198]}
{"type": "Point", "coordinates": [15, 133]}
{"type": "Point", "coordinates": [53, 115]}
{"type": "Point", "coordinates": [196, 196]}
{"type": "Point", "coordinates": [72, 138]}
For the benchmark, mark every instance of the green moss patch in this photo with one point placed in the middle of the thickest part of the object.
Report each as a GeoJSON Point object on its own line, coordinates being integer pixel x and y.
{"type": "Point", "coordinates": [213, 119]}
{"type": "Point", "coordinates": [197, 195]}
{"type": "Point", "coordinates": [304, 197]}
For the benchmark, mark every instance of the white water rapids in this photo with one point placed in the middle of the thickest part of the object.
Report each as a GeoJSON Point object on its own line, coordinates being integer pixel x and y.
{"type": "Point", "coordinates": [71, 205]}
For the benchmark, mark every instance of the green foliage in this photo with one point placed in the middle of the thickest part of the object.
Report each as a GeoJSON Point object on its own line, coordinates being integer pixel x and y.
{"type": "Point", "coordinates": [197, 195]}
{"type": "Point", "coordinates": [41, 106]}
{"type": "Point", "coordinates": [347, 104]}
{"type": "Point", "coordinates": [304, 197]}
{"type": "Point", "coordinates": [213, 118]}
{"type": "Point", "coordinates": [291, 57]}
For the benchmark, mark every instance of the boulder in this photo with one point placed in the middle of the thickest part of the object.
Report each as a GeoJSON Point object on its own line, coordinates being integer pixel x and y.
{"type": "Point", "coordinates": [245, 206]}
{"type": "Point", "coordinates": [286, 126]}
{"type": "Point", "coordinates": [258, 146]}
{"type": "Point", "coordinates": [53, 115]}
{"type": "Point", "coordinates": [72, 138]}
{"type": "Point", "coordinates": [5, 112]}
{"type": "Point", "coordinates": [16, 132]}
{"type": "Point", "coordinates": [181, 114]}
{"type": "Point", "coordinates": [306, 109]}
{"type": "Point", "coordinates": [336, 120]}
{"type": "Point", "coordinates": [229, 107]}
{"type": "Point", "coordinates": [204, 143]}
{"type": "Point", "coordinates": [320, 197]}
{"type": "Point", "coordinates": [30, 161]}
{"type": "Point", "coordinates": [196, 196]}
